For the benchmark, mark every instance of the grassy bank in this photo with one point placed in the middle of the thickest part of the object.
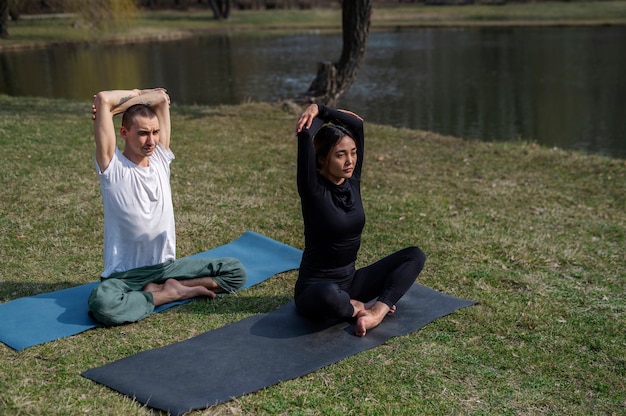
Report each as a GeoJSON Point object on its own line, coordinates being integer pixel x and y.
{"type": "Point", "coordinates": [39, 32]}
{"type": "Point", "coordinates": [536, 236]}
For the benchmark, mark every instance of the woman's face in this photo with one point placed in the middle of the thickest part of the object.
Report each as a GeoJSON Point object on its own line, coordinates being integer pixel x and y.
{"type": "Point", "coordinates": [341, 161]}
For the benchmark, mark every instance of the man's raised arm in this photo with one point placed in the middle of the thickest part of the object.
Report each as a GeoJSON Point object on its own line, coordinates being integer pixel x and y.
{"type": "Point", "coordinates": [159, 101]}
{"type": "Point", "coordinates": [110, 103]}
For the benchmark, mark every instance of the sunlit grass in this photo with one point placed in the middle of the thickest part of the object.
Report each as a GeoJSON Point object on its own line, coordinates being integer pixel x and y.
{"type": "Point", "coordinates": [536, 236]}
{"type": "Point", "coordinates": [523, 12]}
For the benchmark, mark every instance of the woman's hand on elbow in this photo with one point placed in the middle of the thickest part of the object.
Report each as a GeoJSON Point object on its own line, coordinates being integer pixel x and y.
{"type": "Point", "coordinates": [307, 117]}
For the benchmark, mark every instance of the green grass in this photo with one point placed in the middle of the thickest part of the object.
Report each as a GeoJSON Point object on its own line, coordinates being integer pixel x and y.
{"type": "Point", "coordinates": [151, 25]}
{"type": "Point", "coordinates": [555, 13]}
{"type": "Point", "coordinates": [536, 236]}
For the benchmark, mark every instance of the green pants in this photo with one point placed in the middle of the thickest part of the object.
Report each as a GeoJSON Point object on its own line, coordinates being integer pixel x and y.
{"type": "Point", "coordinates": [118, 299]}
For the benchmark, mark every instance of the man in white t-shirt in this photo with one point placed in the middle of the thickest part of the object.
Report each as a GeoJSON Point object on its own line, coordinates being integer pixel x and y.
{"type": "Point", "coordinates": [140, 266]}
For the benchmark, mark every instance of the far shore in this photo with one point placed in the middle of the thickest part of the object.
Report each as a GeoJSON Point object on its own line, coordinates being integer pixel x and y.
{"type": "Point", "coordinates": [41, 31]}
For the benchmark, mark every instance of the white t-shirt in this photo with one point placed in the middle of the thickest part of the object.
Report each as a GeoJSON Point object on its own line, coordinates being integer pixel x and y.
{"type": "Point", "coordinates": [138, 212]}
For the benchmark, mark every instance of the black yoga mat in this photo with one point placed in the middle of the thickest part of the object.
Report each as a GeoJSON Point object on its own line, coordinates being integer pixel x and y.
{"type": "Point", "coordinates": [257, 352]}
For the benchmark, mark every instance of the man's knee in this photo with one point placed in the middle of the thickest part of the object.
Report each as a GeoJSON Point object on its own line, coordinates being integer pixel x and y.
{"type": "Point", "coordinates": [232, 276]}
{"type": "Point", "coordinates": [113, 302]}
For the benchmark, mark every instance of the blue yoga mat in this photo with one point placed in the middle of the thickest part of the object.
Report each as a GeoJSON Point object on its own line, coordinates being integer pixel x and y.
{"type": "Point", "coordinates": [42, 318]}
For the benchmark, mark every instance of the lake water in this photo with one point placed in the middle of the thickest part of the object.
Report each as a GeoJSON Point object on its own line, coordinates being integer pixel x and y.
{"type": "Point", "coordinates": [562, 87]}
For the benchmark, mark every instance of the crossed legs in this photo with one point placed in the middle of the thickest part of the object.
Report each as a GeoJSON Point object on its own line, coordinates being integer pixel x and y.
{"type": "Point", "coordinates": [372, 294]}
{"type": "Point", "coordinates": [132, 295]}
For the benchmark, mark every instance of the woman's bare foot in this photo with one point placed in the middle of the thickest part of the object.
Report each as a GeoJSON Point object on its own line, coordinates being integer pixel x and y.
{"type": "Point", "coordinates": [370, 318]}
{"type": "Point", "coordinates": [172, 290]}
{"type": "Point", "coordinates": [361, 306]}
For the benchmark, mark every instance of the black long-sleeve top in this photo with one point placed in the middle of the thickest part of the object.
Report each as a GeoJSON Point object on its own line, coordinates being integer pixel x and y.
{"type": "Point", "coordinates": [333, 214]}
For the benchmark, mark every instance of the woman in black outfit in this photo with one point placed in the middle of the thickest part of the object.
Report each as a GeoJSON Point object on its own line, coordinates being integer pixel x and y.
{"type": "Point", "coordinates": [330, 158]}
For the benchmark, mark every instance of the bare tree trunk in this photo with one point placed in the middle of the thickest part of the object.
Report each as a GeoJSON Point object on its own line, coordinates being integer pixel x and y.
{"type": "Point", "coordinates": [4, 18]}
{"type": "Point", "coordinates": [221, 9]}
{"type": "Point", "coordinates": [334, 79]}
{"type": "Point", "coordinates": [225, 7]}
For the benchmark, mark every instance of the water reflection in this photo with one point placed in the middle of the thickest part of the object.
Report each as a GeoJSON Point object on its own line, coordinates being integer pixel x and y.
{"type": "Point", "coordinates": [557, 86]}
{"type": "Point", "coordinates": [560, 87]}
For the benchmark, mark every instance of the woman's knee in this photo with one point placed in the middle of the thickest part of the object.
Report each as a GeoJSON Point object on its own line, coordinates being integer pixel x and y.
{"type": "Point", "coordinates": [323, 300]}
{"type": "Point", "coordinates": [415, 254]}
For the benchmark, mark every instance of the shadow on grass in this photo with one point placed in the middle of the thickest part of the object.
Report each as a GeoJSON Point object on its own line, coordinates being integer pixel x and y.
{"type": "Point", "coordinates": [235, 304]}
{"type": "Point", "coordinates": [11, 290]}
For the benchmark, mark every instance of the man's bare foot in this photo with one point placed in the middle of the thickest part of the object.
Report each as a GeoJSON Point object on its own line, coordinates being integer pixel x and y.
{"type": "Point", "coordinates": [172, 290]}
{"type": "Point", "coordinates": [207, 282]}
{"type": "Point", "coordinates": [370, 318]}
{"type": "Point", "coordinates": [153, 287]}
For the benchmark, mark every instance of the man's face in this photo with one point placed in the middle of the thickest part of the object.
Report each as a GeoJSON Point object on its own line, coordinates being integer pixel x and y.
{"type": "Point", "coordinates": [141, 139]}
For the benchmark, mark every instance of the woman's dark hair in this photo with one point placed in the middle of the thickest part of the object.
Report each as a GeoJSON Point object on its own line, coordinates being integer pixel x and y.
{"type": "Point", "coordinates": [137, 110]}
{"type": "Point", "coordinates": [325, 139]}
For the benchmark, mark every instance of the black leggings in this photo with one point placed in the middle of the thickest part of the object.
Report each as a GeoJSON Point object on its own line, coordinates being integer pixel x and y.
{"type": "Point", "coordinates": [387, 280]}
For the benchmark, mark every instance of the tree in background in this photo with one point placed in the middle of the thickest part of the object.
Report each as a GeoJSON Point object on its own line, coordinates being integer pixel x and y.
{"type": "Point", "coordinates": [4, 18]}
{"type": "Point", "coordinates": [334, 79]}
{"type": "Point", "coordinates": [221, 9]}
{"type": "Point", "coordinates": [102, 14]}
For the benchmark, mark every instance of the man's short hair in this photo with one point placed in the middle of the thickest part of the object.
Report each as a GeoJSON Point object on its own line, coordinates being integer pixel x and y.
{"type": "Point", "coordinates": [134, 111]}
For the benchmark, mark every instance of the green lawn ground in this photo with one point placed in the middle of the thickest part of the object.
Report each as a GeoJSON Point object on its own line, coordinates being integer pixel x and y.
{"type": "Point", "coordinates": [535, 235]}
